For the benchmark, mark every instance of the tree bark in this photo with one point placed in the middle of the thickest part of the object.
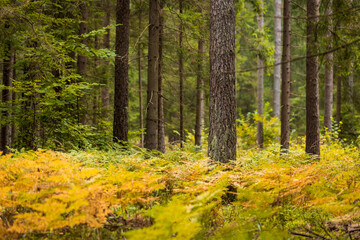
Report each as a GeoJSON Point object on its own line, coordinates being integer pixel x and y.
{"type": "Point", "coordinates": [200, 97]}
{"type": "Point", "coordinates": [260, 88]}
{"type": "Point", "coordinates": [105, 90]}
{"type": "Point", "coordinates": [6, 96]}
{"type": "Point", "coordinates": [141, 110]}
{"type": "Point", "coordinates": [277, 56]}
{"type": "Point", "coordinates": [82, 60]}
{"type": "Point", "coordinates": [329, 74]}
{"type": "Point", "coordinates": [151, 137]}
{"type": "Point", "coordinates": [222, 114]}
{"type": "Point", "coordinates": [121, 71]}
{"type": "Point", "coordinates": [13, 101]}
{"type": "Point", "coordinates": [351, 86]}
{"type": "Point", "coordinates": [181, 76]}
{"type": "Point", "coordinates": [161, 129]}
{"type": "Point", "coordinates": [338, 98]}
{"type": "Point", "coordinates": [312, 80]}
{"type": "Point", "coordinates": [286, 78]}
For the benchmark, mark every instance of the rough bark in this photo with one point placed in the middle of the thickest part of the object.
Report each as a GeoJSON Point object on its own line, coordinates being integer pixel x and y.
{"type": "Point", "coordinates": [181, 77]}
{"type": "Point", "coordinates": [6, 96]}
{"type": "Point", "coordinates": [141, 110]}
{"type": "Point", "coordinates": [151, 137]}
{"type": "Point", "coordinates": [277, 56]}
{"type": "Point", "coordinates": [222, 114]}
{"type": "Point", "coordinates": [260, 88]}
{"type": "Point", "coordinates": [120, 128]}
{"type": "Point", "coordinates": [161, 129]}
{"type": "Point", "coordinates": [200, 97]}
{"type": "Point", "coordinates": [312, 80]}
{"type": "Point", "coordinates": [329, 74]}
{"type": "Point", "coordinates": [82, 60]}
{"type": "Point", "coordinates": [286, 78]}
{"type": "Point", "coordinates": [105, 90]}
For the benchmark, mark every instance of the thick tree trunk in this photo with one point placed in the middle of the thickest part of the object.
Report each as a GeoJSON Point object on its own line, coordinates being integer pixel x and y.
{"type": "Point", "coordinates": [161, 129]}
{"type": "Point", "coordinates": [329, 74]}
{"type": "Point", "coordinates": [141, 110]}
{"type": "Point", "coordinates": [200, 97]}
{"type": "Point", "coordinates": [260, 89]}
{"type": "Point", "coordinates": [312, 80]}
{"type": "Point", "coordinates": [222, 114]}
{"type": "Point", "coordinates": [181, 77]}
{"type": "Point", "coordinates": [6, 96]}
{"type": "Point", "coordinates": [120, 129]}
{"type": "Point", "coordinates": [277, 56]}
{"type": "Point", "coordinates": [286, 78]}
{"type": "Point", "coordinates": [82, 60]}
{"type": "Point", "coordinates": [105, 90]}
{"type": "Point", "coordinates": [151, 137]}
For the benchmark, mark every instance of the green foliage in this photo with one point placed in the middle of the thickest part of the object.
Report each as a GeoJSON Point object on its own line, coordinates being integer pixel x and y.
{"type": "Point", "coordinates": [246, 128]}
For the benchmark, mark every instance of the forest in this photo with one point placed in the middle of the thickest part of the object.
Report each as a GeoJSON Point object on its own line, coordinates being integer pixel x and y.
{"type": "Point", "coordinates": [179, 119]}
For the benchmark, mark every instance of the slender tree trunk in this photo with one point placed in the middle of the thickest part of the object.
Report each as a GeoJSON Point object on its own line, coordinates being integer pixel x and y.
{"type": "Point", "coordinates": [151, 137]}
{"type": "Point", "coordinates": [6, 96]}
{"type": "Point", "coordinates": [13, 101]}
{"type": "Point", "coordinates": [140, 83]}
{"type": "Point", "coordinates": [277, 56]}
{"type": "Point", "coordinates": [199, 94]}
{"type": "Point", "coordinates": [312, 80]}
{"type": "Point", "coordinates": [121, 71]}
{"type": "Point", "coordinates": [161, 133]}
{"type": "Point", "coordinates": [260, 88]}
{"type": "Point", "coordinates": [338, 98]}
{"type": "Point", "coordinates": [329, 74]}
{"type": "Point", "coordinates": [351, 86]}
{"type": "Point", "coordinates": [222, 114]}
{"type": "Point", "coordinates": [105, 90]}
{"type": "Point", "coordinates": [286, 78]}
{"type": "Point", "coordinates": [95, 114]}
{"type": "Point", "coordinates": [82, 60]}
{"type": "Point", "coordinates": [181, 76]}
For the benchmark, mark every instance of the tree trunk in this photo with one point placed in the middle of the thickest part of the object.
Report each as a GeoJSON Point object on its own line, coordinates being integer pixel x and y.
{"type": "Point", "coordinates": [105, 90]}
{"type": "Point", "coordinates": [351, 86]}
{"type": "Point", "coordinates": [277, 56]}
{"type": "Point", "coordinates": [286, 78]}
{"type": "Point", "coordinates": [13, 101]}
{"type": "Point", "coordinates": [338, 98]}
{"type": "Point", "coordinates": [181, 76]}
{"type": "Point", "coordinates": [222, 114]}
{"type": "Point", "coordinates": [260, 88]}
{"type": "Point", "coordinates": [312, 80]}
{"type": "Point", "coordinates": [82, 60]}
{"type": "Point", "coordinates": [329, 74]}
{"type": "Point", "coordinates": [161, 133]}
{"type": "Point", "coordinates": [151, 137]}
{"type": "Point", "coordinates": [6, 96]}
{"type": "Point", "coordinates": [200, 98]}
{"type": "Point", "coordinates": [141, 110]}
{"type": "Point", "coordinates": [121, 71]}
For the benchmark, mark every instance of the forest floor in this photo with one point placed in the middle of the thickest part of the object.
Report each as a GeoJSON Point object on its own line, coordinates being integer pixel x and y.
{"type": "Point", "coordinates": [133, 194]}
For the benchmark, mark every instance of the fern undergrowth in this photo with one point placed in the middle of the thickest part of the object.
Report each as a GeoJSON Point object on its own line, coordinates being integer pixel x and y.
{"type": "Point", "coordinates": [129, 193]}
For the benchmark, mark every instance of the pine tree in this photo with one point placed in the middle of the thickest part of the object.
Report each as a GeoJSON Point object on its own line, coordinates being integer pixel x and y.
{"type": "Point", "coordinates": [222, 114]}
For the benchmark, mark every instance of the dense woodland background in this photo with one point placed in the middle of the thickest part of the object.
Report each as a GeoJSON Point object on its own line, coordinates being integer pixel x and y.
{"type": "Point", "coordinates": [178, 119]}
{"type": "Point", "coordinates": [59, 66]}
